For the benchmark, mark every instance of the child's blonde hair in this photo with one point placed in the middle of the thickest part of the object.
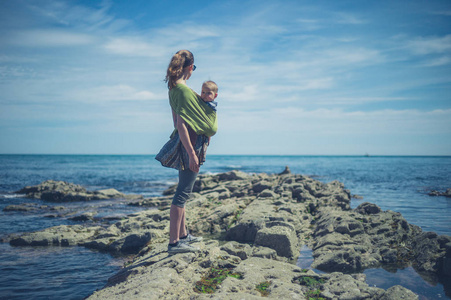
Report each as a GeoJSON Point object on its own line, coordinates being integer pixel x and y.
{"type": "Point", "coordinates": [211, 85]}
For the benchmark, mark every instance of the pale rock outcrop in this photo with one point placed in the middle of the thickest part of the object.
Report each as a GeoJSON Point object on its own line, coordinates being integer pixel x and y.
{"type": "Point", "coordinates": [61, 191]}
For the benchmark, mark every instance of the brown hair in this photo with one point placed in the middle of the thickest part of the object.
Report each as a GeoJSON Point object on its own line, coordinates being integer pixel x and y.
{"type": "Point", "coordinates": [179, 61]}
{"type": "Point", "coordinates": [211, 85]}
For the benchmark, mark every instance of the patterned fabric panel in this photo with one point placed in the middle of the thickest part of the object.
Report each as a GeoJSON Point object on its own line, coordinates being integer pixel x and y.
{"type": "Point", "coordinates": [173, 154]}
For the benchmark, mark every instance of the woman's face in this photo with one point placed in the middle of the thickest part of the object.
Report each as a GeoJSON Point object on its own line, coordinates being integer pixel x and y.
{"type": "Point", "coordinates": [190, 71]}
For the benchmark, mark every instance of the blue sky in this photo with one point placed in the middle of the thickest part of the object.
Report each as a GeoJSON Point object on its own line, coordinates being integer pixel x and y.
{"type": "Point", "coordinates": [295, 77]}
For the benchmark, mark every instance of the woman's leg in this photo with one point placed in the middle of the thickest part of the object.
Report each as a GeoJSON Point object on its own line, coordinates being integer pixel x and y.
{"type": "Point", "coordinates": [176, 216]}
{"type": "Point", "coordinates": [177, 226]}
{"type": "Point", "coordinates": [182, 230]}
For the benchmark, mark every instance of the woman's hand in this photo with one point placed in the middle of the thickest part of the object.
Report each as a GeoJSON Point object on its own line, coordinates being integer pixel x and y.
{"type": "Point", "coordinates": [194, 162]}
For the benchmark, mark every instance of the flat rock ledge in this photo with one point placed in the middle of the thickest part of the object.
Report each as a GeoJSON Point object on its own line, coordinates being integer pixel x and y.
{"type": "Point", "coordinates": [61, 191]}
{"type": "Point", "coordinates": [255, 226]}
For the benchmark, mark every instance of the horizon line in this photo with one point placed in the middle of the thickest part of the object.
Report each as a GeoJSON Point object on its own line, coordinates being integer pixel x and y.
{"type": "Point", "coordinates": [153, 154]}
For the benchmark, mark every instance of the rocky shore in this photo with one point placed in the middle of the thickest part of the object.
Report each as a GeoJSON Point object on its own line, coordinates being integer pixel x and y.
{"type": "Point", "coordinates": [254, 227]}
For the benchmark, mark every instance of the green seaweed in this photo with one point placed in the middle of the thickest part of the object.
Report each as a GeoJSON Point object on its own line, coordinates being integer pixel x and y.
{"type": "Point", "coordinates": [314, 295]}
{"type": "Point", "coordinates": [263, 288]}
{"type": "Point", "coordinates": [311, 282]}
{"type": "Point", "coordinates": [313, 285]}
{"type": "Point", "coordinates": [235, 217]}
{"type": "Point", "coordinates": [214, 277]}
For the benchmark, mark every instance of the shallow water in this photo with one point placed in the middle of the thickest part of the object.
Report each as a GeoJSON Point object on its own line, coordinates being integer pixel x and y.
{"type": "Point", "coordinates": [394, 183]}
{"type": "Point", "coordinates": [52, 272]}
{"type": "Point", "coordinates": [384, 278]}
{"type": "Point", "coordinates": [408, 278]}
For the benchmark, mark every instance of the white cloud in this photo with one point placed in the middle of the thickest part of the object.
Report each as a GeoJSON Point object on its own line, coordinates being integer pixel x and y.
{"type": "Point", "coordinates": [333, 100]}
{"type": "Point", "coordinates": [16, 71]}
{"type": "Point", "coordinates": [443, 13]}
{"type": "Point", "coordinates": [437, 62]}
{"type": "Point", "coordinates": [308, 24]}
{"type": "Point", "coordinates": [80, 17]}
{"type": "Point", "coordinates": [242, 94]}
{"type": "Point", "coordinates": [431, 45]}
{"type": "Point", "coordinates": [352, 55]}
{"type": "Point", "coordinates": [324, 122]}
{"type": "Point", "coordinates": [134, 47]}
{"type": "Point", "coordinates": [120, 92]}
{"type": "Point", "coordinates": [293, 130]}
{"type": "Point", "coordinates": [347, 18]}
{"type": "Point", "coordinates": [188, 30]}
{"type": "Point", "coordinates": [49, 38]}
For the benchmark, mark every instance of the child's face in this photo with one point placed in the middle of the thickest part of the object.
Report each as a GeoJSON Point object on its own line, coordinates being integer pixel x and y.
{"type": "Point", "coordinates": [208, 95]}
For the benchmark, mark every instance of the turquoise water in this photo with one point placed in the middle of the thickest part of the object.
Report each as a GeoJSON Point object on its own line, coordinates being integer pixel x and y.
{"type": "Point", "coordinates": [394, 183]}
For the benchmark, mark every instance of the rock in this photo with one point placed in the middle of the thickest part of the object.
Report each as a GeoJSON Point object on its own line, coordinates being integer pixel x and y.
{"type": "Point", "coordinates": [367, 208]}
{"type": "Point", "coordinates": [264, 252]}
{"type": "Point", "coordinates": [244, 232]}
{"type": "Point", "coordinates": [51, 185]}
{"type": "Point", "coordinates": [280, 238]}
{"type": "Point", "coordinates": [343, 286]}
{"type": "Point", "coordinates": [61, 191]}
{"type": "Point", "coordinates": [445, 265]}
{"type": "Point", "coordinates": [447, 193]}
{"type": "Point", "coordinates": [432, 253]}
{"type": "Point", "coordinates": [243, 251]}
{"type": "Point", "coordinates": [261, 186]}
{"type": "Point", "coordinates": [347, 241]}
{"type": "Point", "coordinates": [62, 235]}
{"type": "Point", "coordinates": [131, 244]}
{"type": "Point", "coordinates": [286, 171]}
{"type": "Point", "coordinates": [398, 292]}
{"type": "Point", "coordinates": [21, 207]}
{"type": "Point", "coordinates": [267, 194]}
{"type": "Point", "coordinates": [89, 216]}
{"type": "Point", "coordinates": [233, 175]}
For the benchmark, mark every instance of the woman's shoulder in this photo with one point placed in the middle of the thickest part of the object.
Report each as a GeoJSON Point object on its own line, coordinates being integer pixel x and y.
{"type": "Point", "coordinates": [182, 90]}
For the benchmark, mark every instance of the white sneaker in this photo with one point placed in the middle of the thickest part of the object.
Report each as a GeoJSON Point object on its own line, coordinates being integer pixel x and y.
{"type": "Point", "coordinates": [181, 247]}
{"type": "Point", "coordinates": [191, 239]}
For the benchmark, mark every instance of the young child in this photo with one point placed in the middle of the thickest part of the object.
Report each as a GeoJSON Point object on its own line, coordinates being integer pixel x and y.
{"type": "Point", "coordinates": [209, 93]}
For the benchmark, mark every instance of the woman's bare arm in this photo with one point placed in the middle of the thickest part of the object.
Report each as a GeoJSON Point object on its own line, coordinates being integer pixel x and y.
{"type": "Point", "coordinates": [174, 118]}
{"type": "Point", "coordinates": [182, 128]}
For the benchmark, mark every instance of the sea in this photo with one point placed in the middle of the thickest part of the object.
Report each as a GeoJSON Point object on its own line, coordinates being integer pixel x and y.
{"type": "Point", "coordinates": [397, 183]}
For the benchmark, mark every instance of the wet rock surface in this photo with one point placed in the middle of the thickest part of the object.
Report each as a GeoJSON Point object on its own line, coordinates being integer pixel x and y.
{"type": "Point", "coordinates": [256, 225]}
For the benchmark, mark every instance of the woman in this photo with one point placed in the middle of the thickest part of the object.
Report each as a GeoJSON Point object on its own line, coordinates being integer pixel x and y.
{"type": "Point", "coordinates": [194, 123]}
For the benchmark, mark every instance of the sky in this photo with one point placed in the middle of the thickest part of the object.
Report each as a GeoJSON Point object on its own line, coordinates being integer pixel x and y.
{"type": "Point", "coordinates": [295, 77]}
